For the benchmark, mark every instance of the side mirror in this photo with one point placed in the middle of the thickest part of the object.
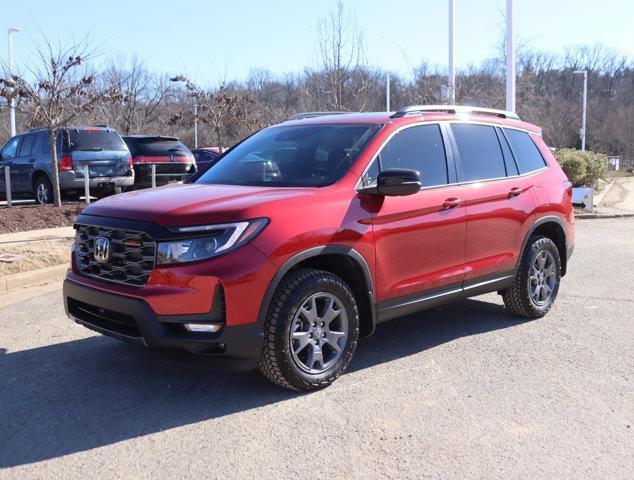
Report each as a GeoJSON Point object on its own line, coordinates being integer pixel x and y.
{"type": "Point", "coordinates": [395, 182]}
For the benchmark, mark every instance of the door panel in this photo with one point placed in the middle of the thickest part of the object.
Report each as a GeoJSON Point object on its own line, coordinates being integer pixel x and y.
{"type": "Point", "coordinates": [23, 164]}
{"type": "Point", "coordinates": [497, 215]}
{"type": "Point", "coordinates": [419, 242]}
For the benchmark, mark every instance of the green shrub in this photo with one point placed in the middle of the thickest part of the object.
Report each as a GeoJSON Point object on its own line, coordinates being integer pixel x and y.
{"type": "Point", "coordinates": [582, 168]}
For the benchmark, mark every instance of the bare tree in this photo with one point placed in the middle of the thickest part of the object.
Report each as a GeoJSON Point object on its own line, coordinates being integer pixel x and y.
{"type": "Point", "coordinates": [341, 46]}
{"type": "Point", "coordinates": [55, 91]}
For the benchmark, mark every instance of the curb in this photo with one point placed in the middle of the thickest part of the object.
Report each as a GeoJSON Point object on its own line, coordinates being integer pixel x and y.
{"type": "Point", "coordinates": [32, 278]}
{"type": "Point", "coordinates": [582, 216]}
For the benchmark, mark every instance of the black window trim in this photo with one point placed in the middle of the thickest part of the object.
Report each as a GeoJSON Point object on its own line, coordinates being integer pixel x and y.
{"type": "Point", "coordinates": [452, 174]}
{"type": "Point", "coordinates": [508, 142]}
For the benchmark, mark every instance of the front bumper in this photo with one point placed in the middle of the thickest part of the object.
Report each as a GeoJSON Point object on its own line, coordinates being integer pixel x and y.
{"type": "Point", "coordinates": [131, 319]}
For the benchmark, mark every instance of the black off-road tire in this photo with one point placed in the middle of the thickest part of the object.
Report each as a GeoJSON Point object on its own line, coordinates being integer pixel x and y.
{"type": "Point", "coordinates": [517, 298]}
{"type": "Point", "coordinates": [276, 362]}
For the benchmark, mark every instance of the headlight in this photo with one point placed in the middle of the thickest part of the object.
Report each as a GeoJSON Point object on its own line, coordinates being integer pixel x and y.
{"type": "Point", "coordinates": [217, 239]}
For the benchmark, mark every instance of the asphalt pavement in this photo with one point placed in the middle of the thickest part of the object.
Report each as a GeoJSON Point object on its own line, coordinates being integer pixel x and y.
{"type": "Point", "coordinates": [460, 391]}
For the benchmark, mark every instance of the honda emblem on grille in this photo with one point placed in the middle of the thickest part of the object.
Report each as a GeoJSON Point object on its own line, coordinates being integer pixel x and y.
{"type": "Point", "coordinates": [101, 251]}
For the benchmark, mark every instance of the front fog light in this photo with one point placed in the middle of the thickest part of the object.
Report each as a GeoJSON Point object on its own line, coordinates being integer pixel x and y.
{"type": "Point", "coordinates": [202, 327]}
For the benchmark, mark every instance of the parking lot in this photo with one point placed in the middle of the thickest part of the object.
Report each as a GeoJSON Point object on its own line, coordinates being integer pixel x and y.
{"type": "Point", "coordinates": [461, 391]}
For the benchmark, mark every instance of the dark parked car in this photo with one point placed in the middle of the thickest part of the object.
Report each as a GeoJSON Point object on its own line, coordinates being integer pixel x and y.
{"type": "Point", "coordinates": [308, 233]}
{"type": "Point", "coordinates": [206, 157]}
{"type": "Point", "coordinates": [29, 158]}
{"type": "Point", "coordinates": [174, 161]}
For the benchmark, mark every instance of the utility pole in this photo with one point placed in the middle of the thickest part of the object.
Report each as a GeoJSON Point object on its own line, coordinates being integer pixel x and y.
{"type": "Point", "coordinates": [387, 91]}
{"type": "Point", "coordinates": [195, 125]}
{"type": "Point", "coordinates": [452, 52]}
{"type": "Point", "coordinates": [510, 58]}
{"type": "Point", "coordinates": [10, 33]}
{"type": "Point", "coordinates": [582, 132]}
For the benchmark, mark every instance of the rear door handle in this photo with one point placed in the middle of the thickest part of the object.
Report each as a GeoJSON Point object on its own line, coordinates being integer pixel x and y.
{"type": "Point", "coordinates": [515, 191]}
{"type": "Point", "coordinates": [452, 202]}
{"type": "Point", "coordinates": [31, 160]}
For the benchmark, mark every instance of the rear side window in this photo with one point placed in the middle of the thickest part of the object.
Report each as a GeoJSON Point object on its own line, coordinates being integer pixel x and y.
{"type": "Point", "coordinates": [479, 150]}
{"type": "Point", "coordinates": [525, 151]}
{"type": "Point", "coordinates": [26, 146]}
{"type": "Point", "coordinates": [417, 148]}
{"type": "Point", "coordinates": [95, 140]}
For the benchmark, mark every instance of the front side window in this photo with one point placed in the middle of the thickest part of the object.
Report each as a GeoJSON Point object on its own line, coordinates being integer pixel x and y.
{"type": "Point", "coordinates": [479, 151]}
{"type": "Point", "coordinates": [417, 148]}
{"type": "Point", "coordinates": [292, 156]}
{"type": "Point", "coordinates": [525, 151]}
{"type": "Point", "coordinates": [11, 148]}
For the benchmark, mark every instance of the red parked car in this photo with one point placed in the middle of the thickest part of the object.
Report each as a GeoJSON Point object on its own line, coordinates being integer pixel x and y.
{"type": "Point", "coordinates": [307, 234]}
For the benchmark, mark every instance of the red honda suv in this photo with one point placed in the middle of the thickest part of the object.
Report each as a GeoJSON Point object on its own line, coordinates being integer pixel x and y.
{"type": "Point", "coordinates": [307, 234]}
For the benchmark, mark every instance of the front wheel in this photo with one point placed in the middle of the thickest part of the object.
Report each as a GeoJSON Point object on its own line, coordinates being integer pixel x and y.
{"type": "Point", "coordinates": [311, 331]}
{"type": "Point", "coordinates": [537, 281]}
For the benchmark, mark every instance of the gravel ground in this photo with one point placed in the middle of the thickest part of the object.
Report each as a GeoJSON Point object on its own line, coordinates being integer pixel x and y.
{"type": "Point", "coordinates": [461, 391]}
{"type": "Point", "coordinates": [32, 217]}
{"type": "Point", "coordinates": [35, 255]}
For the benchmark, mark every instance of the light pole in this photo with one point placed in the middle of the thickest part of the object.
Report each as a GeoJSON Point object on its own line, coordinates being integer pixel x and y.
{"type": "Point", "coordinates": [452, 52]}
{"type": "Point", "coordinates": [195, 125]}
{"type": "Point", "coordinates": [510, 58]}
{"type": "Point", "coordinates": [582, 132]}
{"type": "Point", "coordinates": [10, 33]}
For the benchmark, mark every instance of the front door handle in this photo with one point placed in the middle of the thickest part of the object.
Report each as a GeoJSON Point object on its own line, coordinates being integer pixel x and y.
{"type": "Point", "coordinates": [515, 191]}
{"type": "Point", "coordinates": [31, 160]}
{"type": "Point", "coordinates": [452, 202]}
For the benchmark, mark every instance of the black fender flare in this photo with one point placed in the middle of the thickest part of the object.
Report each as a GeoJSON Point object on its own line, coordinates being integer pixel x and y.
{"type": "Point", "coordinates": [336, 249]}
{"type": "Point", "coordinates": [541, 221]}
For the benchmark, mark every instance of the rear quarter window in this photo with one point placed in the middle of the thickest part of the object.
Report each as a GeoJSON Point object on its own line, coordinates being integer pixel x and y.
{"type": "Point", "coordinates": [526, 153]}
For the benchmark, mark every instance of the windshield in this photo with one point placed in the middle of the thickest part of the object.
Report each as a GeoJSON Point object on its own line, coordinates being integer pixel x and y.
{"type": "Point", "coordinates": [292, 156]}
{"type": "Point", "coordinates": [95, 140]}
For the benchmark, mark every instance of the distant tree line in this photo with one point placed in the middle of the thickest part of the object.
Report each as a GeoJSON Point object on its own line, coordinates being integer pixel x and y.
{"type": "Point", "coordinates": [548, 93]}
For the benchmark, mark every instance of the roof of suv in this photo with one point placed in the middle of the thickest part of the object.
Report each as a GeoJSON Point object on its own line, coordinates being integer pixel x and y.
{"type": "Point", "coordinates": [380, 118]}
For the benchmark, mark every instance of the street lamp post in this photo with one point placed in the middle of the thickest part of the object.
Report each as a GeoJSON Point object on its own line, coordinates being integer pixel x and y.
{"type": "Point", "coordinates": [510, 58]}
{"type": "Point", "coordinates": [387, 91]}
{"type": "Point", "coordinates": [582, 132]}
{"type": "Point", "coordinates": [10, 33]}
{"type": "Point", "coordinates": [452, 52]}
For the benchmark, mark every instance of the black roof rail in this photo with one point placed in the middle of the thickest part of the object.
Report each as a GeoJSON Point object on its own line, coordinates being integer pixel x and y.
{"type": "Point", "coordinates": [300, 116]}
{"type": "Point", "coordinates": [416, 109]}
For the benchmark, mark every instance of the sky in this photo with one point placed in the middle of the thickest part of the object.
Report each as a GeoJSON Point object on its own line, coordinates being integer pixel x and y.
{"type": "Point", "coordinates": [212, 40]}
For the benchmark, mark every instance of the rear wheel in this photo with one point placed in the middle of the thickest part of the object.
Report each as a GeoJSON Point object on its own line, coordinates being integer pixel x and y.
{"type": "Point", "coordinates": [311, 331]}
{"type": "Point", "coordinates": [43, 190]}
{"type": "Point", "coordinates": [537, 281]}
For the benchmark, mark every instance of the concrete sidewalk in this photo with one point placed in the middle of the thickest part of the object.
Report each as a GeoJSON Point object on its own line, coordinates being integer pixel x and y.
{"type": "Point", "coordinates": [618, 197]}
{"type": "Point", "coordinates": [59, 233]}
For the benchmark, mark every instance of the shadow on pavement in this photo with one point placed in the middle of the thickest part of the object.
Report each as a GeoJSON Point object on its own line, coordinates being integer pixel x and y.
{"type": "Point", "coordinates": [75, 396]}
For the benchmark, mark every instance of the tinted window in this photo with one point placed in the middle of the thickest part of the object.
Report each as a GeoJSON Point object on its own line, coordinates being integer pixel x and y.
{"type": "Point", "coordinates": [95, 139]}
{"type": "Point", "coordinates": [479, 150]}
{"type": "Point", "coordinates": [27, 145]}
{"type": "Point", "coordinates": [418, 148]}
{"type": "Point", "coordinates": [157, 146]}
{"type": "Point", "coordinates": [525, 151]}
{"type": "Point", "coordinates": [11, 148]}
{"type": "Point", "coordinates": [292, 156]}
{"type": "Point", "coordinates": [511, 167]}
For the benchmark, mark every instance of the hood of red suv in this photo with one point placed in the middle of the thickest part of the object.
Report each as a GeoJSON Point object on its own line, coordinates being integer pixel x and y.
{"type": "Point", "coordinates": [189, 204]}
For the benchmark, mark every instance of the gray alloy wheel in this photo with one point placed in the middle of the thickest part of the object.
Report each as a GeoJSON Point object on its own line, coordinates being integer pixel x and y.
{"type": "Point", "coordinates": [319, 332]}
{"type": "Point", "coordinates": [43, 191]}
{"type": "Point", "coordinates": [543, 277]}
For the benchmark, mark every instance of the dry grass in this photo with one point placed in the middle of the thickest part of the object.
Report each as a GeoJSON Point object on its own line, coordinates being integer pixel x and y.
{"type": "Point", "coordinates": [36, 255]}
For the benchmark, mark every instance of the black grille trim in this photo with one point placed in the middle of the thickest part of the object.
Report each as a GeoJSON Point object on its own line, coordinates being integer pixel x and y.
{"type": "Point", "coordinates": [132, 258]}
{"type": "Point", "coordinates": [104, 319]}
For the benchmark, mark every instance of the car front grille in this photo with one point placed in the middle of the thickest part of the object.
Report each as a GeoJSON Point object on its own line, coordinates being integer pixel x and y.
{"type": "Point", "coordinates": [130, 258]}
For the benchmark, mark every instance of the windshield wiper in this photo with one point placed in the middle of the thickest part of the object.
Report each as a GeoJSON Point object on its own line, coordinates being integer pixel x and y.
{"type": "Point", "coordinates": [91, 149]}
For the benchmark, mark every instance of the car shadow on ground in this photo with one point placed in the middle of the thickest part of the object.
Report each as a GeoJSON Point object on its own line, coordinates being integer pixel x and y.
{"type": "Point", "coordinates": [75, 396]}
